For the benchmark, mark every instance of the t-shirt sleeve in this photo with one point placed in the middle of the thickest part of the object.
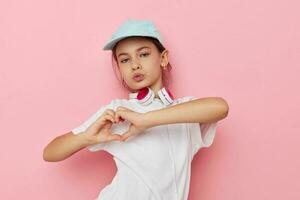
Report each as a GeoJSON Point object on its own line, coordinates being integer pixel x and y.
{"type": "Point", "coordinates": [201, 134]}
{"type": "Point", "coordinates": [89, 121]}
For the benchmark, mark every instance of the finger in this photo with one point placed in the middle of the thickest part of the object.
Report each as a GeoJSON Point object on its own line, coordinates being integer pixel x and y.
{"type": "Point", "coordinates": [126, 135]}
{"type": "Point", "coordinates": [115, 137]}
{"type": "Point", "coordinates": [118, 116]}
{"type": "Point", "coordinates": [99, 125]}
{"type": "Point", "coordinates": [109, 118]}
{"type": "Point", "coordinates": [105, 117]}
{"type": "Point", "coordinates": [110, 112]}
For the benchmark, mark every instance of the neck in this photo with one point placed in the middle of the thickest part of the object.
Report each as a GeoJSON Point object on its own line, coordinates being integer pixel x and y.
{"type": "Point", "coordinates": [156, 87]}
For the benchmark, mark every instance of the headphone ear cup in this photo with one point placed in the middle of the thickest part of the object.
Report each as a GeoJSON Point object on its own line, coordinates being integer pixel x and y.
{"type": "Point", "coordinates": [165, 96]}
{"type": "Point", "coordinates": [169, 93]}
{"type": "Point", "coordinates": [145, 96]}
{"type": "Point", "coordinates": [142, 93]}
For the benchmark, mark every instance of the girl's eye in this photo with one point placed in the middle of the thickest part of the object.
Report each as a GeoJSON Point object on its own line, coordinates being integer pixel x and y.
{"type": "Point", "coordinates": [142, 55]}
{"type": "Point", "coordinates": [145, 54]}
{"type": "Point", "coordinates": [124, 60]}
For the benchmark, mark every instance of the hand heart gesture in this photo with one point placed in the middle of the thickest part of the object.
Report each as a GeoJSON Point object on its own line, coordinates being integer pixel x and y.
{"type": "Point", "coordinates": [137, 121]}
{"type": "Point", "coordinates": [100, 130]}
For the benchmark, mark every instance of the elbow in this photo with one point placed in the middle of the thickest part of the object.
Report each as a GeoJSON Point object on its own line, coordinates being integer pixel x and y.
{"type": "Point", "coordinates": [47, 157]}
{"type": "Point", "coordinates": [224, 107]}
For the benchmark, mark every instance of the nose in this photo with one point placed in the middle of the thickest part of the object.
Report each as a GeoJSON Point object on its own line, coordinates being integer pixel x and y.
{"type": "Point", "coordinates": [136, 64]}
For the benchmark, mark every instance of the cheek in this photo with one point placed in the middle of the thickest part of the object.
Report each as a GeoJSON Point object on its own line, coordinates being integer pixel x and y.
{"type": "Point", "coordinates": [156, 66]}
{"type": "Point", "coordinates": [152, 63]}
{"type": "Point", "coordinates": [124, 74]}
{"type": "Point", "coordinates": [156, 62]}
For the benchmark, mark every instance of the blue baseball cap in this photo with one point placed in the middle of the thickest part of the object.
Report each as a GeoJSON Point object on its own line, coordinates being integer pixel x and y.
{"type": "Point", "coordinates": [132, 27]}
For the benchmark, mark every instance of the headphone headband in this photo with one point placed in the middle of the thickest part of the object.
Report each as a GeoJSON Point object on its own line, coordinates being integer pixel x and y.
{"type": "Point", "coordinates": [146, 95]}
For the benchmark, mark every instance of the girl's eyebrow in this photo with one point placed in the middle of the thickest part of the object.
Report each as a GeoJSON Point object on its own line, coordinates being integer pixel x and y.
{"type": "Point", "coordinates": [138, 49]}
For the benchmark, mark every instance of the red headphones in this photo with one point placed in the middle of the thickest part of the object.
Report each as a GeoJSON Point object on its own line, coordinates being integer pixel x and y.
{"type": "Point", "coordinates": [145, 96]}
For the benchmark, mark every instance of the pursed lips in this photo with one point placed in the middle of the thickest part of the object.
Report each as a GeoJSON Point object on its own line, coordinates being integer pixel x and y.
{"type": "Point", "coordinates": [138, 76]}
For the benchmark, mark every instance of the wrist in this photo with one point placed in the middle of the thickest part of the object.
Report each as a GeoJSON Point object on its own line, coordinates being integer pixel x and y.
{"type": "Point", "coordinates": [87, 139]}
{"type": "Point", "coordinates": [150, 119]}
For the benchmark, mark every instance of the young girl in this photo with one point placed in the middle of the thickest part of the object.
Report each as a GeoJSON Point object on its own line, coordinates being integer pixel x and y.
{"type": "Point", "coordinates": [152, 136]}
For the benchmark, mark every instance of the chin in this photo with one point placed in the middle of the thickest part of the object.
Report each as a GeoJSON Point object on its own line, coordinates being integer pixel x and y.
{"type": "Point", "coordinates": [138, 86]}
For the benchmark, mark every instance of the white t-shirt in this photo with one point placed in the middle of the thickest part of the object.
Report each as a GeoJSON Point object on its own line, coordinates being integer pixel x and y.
{"type": "Point", "coordinates": [156, 164]}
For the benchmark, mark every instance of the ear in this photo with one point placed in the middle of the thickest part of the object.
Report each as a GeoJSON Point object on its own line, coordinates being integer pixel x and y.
{"type": "Point", "coordinates": [164, 58]}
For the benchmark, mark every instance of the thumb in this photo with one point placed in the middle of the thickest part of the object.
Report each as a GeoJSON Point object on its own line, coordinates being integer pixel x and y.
{"type": "Point", "coordinates": [126, 135]}
{"type": "Point", "coordinates": [129, 133]}
{"type": "Point", "coordinates": [114, 137]}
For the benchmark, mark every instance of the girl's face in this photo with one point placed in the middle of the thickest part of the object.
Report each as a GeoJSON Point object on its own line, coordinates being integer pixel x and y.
{"type": "Point", "coordinates": [137, 55]}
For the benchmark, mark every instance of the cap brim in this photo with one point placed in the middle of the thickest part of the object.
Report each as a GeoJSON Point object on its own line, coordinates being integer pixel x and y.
{"type": "Point", "coordinates": [110, 45]}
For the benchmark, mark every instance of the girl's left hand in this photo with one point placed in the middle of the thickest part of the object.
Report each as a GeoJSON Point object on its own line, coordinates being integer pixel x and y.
{"type": "Point", "coordinates": [137, 121]}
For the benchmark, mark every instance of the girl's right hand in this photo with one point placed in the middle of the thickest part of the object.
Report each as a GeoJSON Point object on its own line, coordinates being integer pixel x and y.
{"type": "Point", "coordinates": [100, 130]}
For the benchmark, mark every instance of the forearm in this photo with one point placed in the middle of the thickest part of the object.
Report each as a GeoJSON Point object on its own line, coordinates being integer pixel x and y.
{"type": "Point", "coordinates": [202, 110]}
{"type": "Point", "coordinates": [64, 146]}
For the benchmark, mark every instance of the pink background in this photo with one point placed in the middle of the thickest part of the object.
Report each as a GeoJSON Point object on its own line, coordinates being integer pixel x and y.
{"type": "Point", "coordinates": [53, 75]}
